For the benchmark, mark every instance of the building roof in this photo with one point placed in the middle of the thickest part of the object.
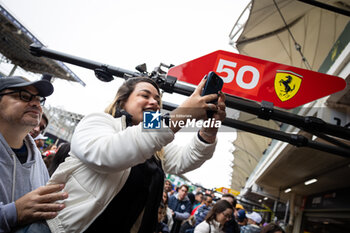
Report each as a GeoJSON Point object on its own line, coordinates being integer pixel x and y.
{"type": "Point", "coordinates": [15, 40]}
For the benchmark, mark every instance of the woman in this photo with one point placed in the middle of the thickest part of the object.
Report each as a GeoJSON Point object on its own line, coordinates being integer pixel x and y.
{"type": "Point", "coordinates": [216, 218]}
{"type": "Point", "coordinates": [168, 216]}
{"type": "Point", "coordinates": [161, 226]}
{"type": "Point", "coordinates": [114, 176]}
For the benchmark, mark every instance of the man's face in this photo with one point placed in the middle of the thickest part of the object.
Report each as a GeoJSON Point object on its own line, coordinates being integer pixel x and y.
{"type": "Point", "coordinates": [199, 198]}
{"type": "Point", "coordinates": [39, 143]}
{"type": "Point", "coordinates": [16, 112]}
{"type": "Point", "coordinates": [209, 201]}
{"type": "Point", "coordinates": [182, 193]}
{"type": "Point", "coordinates": [39, 128]}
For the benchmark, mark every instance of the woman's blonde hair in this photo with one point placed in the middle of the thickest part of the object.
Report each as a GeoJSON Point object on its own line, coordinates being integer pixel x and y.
{"type": "Point", "coordinates": [122, 96]}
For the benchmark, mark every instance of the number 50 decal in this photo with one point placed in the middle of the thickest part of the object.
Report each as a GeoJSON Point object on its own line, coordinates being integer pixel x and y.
{"type": "Point", "coordinates": [238, 73]}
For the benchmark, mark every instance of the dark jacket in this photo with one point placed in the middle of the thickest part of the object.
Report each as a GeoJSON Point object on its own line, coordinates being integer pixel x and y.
{"type": "Point", "coordinates": [201, 213]}
{"type": "Point", "coordinates": [231, 226]}
{"type": "Point", "coordinates": [182, 209]}
{"type": "Point", "coordinates": [250, 229]}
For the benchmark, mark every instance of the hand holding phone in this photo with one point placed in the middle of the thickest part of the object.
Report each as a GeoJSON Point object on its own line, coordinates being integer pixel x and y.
{"type": "Point", "coordinates": [212, 86]}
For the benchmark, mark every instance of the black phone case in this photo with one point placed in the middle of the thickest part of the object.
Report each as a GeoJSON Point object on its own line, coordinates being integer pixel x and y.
{"type": "Point", "coordinates": [212, 86]}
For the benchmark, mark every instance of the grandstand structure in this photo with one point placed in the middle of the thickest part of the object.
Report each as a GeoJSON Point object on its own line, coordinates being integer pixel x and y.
{"type": "Point", "coordinates": [61, 122]}
{"type": "Point", "coordinates": [307, 185]}
{"type": "Point", "coordinates": [15, 59]}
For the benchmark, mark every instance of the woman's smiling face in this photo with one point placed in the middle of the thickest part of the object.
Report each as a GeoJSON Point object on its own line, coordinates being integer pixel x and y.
{"type": "Point", "coordinates": [145, 97]}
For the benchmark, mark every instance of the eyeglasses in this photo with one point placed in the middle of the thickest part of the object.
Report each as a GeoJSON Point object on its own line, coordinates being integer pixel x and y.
{"type": "Point", "coordinates": [227, 216]}
{"type": "Point", "coordinates": [26, 96]}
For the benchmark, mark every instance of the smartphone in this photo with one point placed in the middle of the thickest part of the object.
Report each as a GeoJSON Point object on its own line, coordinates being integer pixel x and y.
{"type": "Point", "coordinates": [213, 85]}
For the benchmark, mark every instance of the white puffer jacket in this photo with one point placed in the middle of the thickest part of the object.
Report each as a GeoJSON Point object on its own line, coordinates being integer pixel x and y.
{"type": "Point", "coordinates": [213, 227]}
{"type": "Point", "coordinates": [102, 153]}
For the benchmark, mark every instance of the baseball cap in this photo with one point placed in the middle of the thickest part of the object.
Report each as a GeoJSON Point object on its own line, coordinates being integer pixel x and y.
{"type": "Point", "coordinates": [40, 136]}
{"type": "Point", "coordinates": [43, 86]}
{"type": "Point", "coordinates": [239, 206]}
{"type": "Point", "coordinates": [241, 215]}
{"type": "Point", "coordinates": [255, 217]}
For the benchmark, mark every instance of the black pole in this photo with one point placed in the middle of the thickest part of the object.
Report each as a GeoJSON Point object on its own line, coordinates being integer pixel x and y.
{"type": "Point", "coordinates": [293, 139]}
{"type": "Point", "coordinates": [263, 111]}
{"type": "Point", "coordinates": [309, 124]}
{"type": "Point", "coordinates": [38, 50]}
{"type": "Point", "coordinates": [326, 7]}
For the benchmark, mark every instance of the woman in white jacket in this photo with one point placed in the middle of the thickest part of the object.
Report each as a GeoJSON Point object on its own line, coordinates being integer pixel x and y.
{"type": "Point", "coordinates": [216, 218]}
{"type": "Point", "coordinates": [114, 176]}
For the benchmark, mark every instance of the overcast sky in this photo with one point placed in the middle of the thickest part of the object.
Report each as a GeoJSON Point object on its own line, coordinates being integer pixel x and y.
{"type": "Point", "coordinates": [125, 34]}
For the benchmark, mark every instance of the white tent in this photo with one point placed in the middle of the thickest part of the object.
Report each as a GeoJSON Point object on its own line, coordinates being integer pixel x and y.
{"type": "Point", "coordinates": [266, 35]}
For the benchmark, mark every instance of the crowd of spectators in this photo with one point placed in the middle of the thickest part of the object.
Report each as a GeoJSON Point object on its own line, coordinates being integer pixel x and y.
{"type": "Point", "coordinates": [208, 213]}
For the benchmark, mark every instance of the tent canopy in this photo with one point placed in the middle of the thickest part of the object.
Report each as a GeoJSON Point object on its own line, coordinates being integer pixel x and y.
{"type": "Point", "coordinates": [266, 36]}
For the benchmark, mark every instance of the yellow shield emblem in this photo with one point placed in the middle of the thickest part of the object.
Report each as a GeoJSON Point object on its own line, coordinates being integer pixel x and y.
{"type": "Point", "coordinates": [287, 84]}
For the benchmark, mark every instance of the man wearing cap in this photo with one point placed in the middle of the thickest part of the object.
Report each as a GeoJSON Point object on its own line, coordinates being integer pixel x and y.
{"type": "Point", "coordinates": [253, 220]}
{"type": "Point", "coordinates": [24, 198]}
{"type": "Point", "coordinates": [40, 141]}
{"type": "Point", "coordinates": [241, 218]}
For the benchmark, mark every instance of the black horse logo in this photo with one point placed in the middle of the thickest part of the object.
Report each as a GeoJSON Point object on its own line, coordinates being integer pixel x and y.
{"type": "Point", "coordinates": [286, 84]}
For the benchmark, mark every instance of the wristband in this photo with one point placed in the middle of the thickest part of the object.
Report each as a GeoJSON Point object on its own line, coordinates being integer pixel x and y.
{"type": "Point", "coordinates": [202, 139]}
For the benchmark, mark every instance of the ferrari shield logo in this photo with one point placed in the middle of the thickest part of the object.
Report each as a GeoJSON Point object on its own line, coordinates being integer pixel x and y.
{"type": "Point", "coordinates": [287, 84]}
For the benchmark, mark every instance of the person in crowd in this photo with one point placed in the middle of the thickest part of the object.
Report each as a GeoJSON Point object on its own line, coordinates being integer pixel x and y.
{"type": "Point", "coordinates": [241, 218]}
{"type": "Point", "coordinates": [40, 142]}
{"type": "Point", "coordinates": [181, 207]}
{"type": "Point", "coordinates": [239, 207]}
{"type": "Point", "coordinates": [39, 129]}
{"type": "Point", "coordinates": [272, 228]}
{"type": "Point", "coordinates": [231, 226]}
{"type": "Point", "coordinates": [188, 225]}
{"type": "Point", "coordinates": [115, 174]}
{"type": "Point", "coordinates": [198, 199]}
{"type": "Point", "coordinates": [209, 192]}
{"type": "Point", "coordinates": [215, 220]}
{"type": "Point", "coordinates": [168, 218]}
{"type": "Point", "coordinates": [161, 226]}
{"type": "Point", "coordinates": [193, 220]}
{"type": "Point", "coordinates": [61, 154]}
{"type": "Point", "coordinates": [252, 225]}
{"type": "Point", "coordinates": [192, 199]}
{"type": "Point", "coordinates": [204, 209]}
{"type": "Point", "coordinates": [197, 190]}
{"type": "Point", "coordinates": [168, 187]}
{"type": "Point", "coordinates": [48, 160]}
{"type": "Point", "coordinates": [48, 154]}
{"type": "Point", "coordinates": [195, 209]}
{"type": "Point", "coordinates": [24, 200]}
{"type": "Point", "coordinates": [51, 149]}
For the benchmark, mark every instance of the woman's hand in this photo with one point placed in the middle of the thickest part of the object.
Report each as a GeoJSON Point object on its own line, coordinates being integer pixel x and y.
{"type": "Point", "coordinates": [196, 106]}
{"type": "Point", "coordinates": [209, 133]}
